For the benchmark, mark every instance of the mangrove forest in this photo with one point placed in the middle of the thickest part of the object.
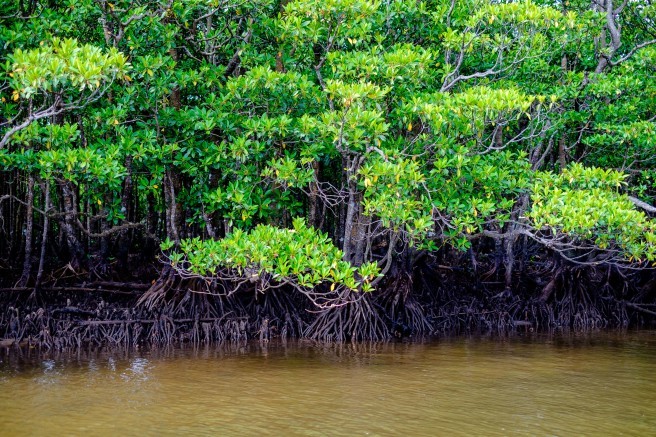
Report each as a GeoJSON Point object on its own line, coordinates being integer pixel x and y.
{"type": "Point", "coordinates": [336, 170]}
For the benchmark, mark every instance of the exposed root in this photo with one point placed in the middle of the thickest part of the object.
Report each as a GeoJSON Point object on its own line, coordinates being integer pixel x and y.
{"type": "Point", "coordinates": [154, 296]}
{"type": "Point", "coordinates": [357, 320]}
{"type": "Point", "coordinates": [447, 302]}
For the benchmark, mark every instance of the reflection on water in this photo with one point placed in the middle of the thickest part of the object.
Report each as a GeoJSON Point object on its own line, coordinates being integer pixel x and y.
{"type": "Point", "coordinates": [558, 385]}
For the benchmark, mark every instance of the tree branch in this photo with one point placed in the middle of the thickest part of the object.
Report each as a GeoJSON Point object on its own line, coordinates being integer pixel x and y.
{"type": "Point", "coordinates": [51, 111]}
{"type": "Point", "coordinates": [632, 52]}
{"type": "Point", "coordinates": [642, 205]}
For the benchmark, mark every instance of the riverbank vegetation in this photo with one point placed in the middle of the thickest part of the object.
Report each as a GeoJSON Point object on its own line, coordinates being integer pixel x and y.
{"type": "Point", "coordinates": [341, 169]}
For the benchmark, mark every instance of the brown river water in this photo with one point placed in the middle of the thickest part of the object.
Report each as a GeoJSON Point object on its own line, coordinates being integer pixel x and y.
{"type": "Point", "coordinates": [592, 384]}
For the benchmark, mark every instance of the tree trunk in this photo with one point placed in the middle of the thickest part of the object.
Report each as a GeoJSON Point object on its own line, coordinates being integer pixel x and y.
{"type": "Point", "coordinates": [562, 150]}
{"type": "Point", "coordinates": [349, 222]}
{"type": "Point", "coordinates": [44, 236]}
{"type": "Point", "coordinates": [352, 207]}
{"type": "Point", "coordinates": [175, 94]}
{"type": "Point", "coordinates": [126, 208]}
{"type": "Point", "coordinates": [29, 226]}
{"type": "Point", "coordinates": [361, 237]}
{"type": "Point", "coordinates": [509, 261]}
{"type": "Point", "coordinates": [313, 201]}
{"type": "Point", "coordinates": [172, 216]}
{"type": "Point", "coordinates": [68, 225]}
{"type": "Point", "coordinates": [562, 153]}
{"type": "Point", "coordinates": [104, 227]}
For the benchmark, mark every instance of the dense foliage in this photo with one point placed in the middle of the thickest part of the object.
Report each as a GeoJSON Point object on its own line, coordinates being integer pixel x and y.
{"type": "Point", "coordinates": [325, 145]}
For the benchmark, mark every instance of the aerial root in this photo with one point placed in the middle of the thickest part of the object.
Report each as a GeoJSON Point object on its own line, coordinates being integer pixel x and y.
{"type": "Point", "coordinates": [357, 320]}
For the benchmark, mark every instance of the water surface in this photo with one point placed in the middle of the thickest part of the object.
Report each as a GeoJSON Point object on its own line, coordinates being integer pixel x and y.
{"type": "Point", "coordinates": [600, 384]}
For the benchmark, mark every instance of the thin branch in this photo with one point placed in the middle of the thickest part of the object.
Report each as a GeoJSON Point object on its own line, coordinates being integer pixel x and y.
{"type": "Point", "coordinates": [50, 112]}
{"type": "Point", "coordinates": [632, 52]}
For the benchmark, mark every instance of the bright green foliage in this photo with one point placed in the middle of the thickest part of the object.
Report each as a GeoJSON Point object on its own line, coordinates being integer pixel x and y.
{"type": "Point", "coordinates": [404, 67]}
{"type": "Point", "coordinates": [64, 64]}
{"type": "Point", "coordinates": [394, 127]}
{"type": "Point", "coordinates": [390, 194]}
{"type": "Point", "coordinates": [300, 255]}
{"type": "Point", "coordinates": [585, 203]}
{"type": "Point", "coordinates": [467, 115]}
{"type": "Point", "coordinates": [479, 190]}
{"type": "Point", "coordinates": [331, 21]}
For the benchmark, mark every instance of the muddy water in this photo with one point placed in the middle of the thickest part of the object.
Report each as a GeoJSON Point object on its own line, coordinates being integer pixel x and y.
{"type": "Point", "coordinates": [556, 385]}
